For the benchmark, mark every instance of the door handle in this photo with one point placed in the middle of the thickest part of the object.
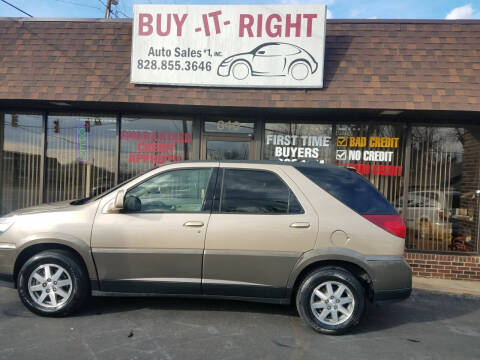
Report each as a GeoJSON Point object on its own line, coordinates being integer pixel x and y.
{"type": "Point", "coordinates": [194, 223]}
{"type": "Point", "coordinates": [300, 225]}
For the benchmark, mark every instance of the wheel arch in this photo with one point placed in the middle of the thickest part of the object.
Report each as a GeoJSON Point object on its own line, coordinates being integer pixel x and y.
{"type": "Point", "coordinates": [32, 249]}
{"type": "Point", "coordinates": [300, 60]}
{"type": "Point", "coordinates": [351, 265]}
{"type": "Point", "coordinates": [237, 61]}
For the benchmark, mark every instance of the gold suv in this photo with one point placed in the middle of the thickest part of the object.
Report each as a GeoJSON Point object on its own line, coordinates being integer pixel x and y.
{"type": "Point", "coordinates": [317, 235]}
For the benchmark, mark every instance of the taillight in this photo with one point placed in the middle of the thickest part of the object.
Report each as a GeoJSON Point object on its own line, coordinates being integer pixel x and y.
{"type": "Point", "coordinates": [392, 223]}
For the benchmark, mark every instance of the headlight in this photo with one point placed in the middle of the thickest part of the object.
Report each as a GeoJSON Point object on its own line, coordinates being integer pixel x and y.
{"type": "Point", "coordinates": [5, 223]}
{"type": "Point", "coordinates": [227, 61]}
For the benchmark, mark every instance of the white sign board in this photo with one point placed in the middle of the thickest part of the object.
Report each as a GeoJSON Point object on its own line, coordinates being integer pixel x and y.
{"type": "Point", "coordinates": [262, 46]}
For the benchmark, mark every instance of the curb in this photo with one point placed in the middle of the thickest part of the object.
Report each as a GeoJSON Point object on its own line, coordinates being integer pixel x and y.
{"type": "Point", "coordinates": [451, 287]}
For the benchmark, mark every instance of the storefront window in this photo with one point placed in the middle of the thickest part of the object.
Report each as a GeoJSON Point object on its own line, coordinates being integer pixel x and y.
{"type": "Point", "coordinates": [80, 156]}
{"type": "Point", "coordinates": [443, 199]}
{"type": "Point", "coordinates": [21, 161]}
{"type": "Point", "coordinates": [147, 142]}
{"type": "Point", "coordinates": [297, 142]}
{"type": "Point", "coordinates": [377, 152]}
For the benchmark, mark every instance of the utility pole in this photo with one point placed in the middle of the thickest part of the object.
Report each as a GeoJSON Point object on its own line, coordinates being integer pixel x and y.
{"type": "Point", "coordinates": [109, 6]}
{"type": "Point", "coordinates": [107, 9]}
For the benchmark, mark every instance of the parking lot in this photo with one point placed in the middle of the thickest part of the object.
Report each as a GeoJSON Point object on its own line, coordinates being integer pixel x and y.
{"type": "Point", "coordinates": [426, 326]}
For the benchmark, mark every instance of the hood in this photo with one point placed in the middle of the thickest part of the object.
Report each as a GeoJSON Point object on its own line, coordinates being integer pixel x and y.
{"type": "Point", "coordinates": [241, 56]}
{"type": "Point", "coordinates": [58, 206]}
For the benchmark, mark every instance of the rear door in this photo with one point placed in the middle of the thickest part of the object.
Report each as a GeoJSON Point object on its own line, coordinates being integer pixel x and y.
{"type": "Point", "coordinates": [260, 225]}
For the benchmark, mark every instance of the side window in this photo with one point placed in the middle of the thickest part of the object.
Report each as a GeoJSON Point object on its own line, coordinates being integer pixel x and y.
{"type": "Point", "coordinates": [269, 50]}
{"type": "Point", "coordinates": [173, 191]}
{"type": "Point", "coordinates": [256, 192]}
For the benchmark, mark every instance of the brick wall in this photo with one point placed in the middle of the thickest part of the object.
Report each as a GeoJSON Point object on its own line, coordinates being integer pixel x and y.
{"type": "Point", "coordinates": [444, 266]}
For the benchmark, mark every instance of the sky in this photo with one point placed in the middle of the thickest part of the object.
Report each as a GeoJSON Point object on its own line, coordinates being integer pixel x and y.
{"type": "Point", "coordinates": [339, 9]}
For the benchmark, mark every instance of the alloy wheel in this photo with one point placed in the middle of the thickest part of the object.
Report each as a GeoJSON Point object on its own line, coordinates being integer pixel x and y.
{"type": "Point", "coordinates": [332, 303]}
{"type": "Point", "coordinates": [50, 285]}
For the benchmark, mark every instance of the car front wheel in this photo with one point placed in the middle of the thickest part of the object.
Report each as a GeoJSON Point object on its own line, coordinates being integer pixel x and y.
{"type": "Point", "coordinates": [53, 283]}
{"type": "Point", "coordinates": [240, 70]}
{"type": "Point", "coordinates": [330, 300]}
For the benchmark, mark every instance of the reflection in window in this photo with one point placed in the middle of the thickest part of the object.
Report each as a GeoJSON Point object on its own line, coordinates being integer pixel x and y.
{"type": "Point", "coordinates": [80, 156]}
{"type": "Point", "coordinates": [256, 192]}
{"type": "Point", "coordinates": [146, 143]}
{"type": "Point", "coordinates": [227, 150]}
{"type": "Point", "coordinates": [21, 161]}
{"type": "Point", "coordinates": [442, 210]}
{"type": "Point", "coordinates": [172, 191]}
{"type": "Point", "coordinates": [349, 188]}
{"type": "Point", "coordinates": [298, 142]}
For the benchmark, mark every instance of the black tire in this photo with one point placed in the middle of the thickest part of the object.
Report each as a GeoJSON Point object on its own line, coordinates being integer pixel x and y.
{"type": "Point", "coordinates": [80, 288]}
{"type": "Point", "coordinates": [318, 277]}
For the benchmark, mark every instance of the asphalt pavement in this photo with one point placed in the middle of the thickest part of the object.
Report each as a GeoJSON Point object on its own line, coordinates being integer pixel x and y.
{"type": "Point", "coordinates": [426, 326]}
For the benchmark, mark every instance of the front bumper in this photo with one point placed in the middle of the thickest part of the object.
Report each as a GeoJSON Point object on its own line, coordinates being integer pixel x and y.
{"type": "Point", "coordinates": [391, 277]}
{"type": "Point", "coordinates": [7, 281]}
{"type": "Point", "coordinates": [223, 70]}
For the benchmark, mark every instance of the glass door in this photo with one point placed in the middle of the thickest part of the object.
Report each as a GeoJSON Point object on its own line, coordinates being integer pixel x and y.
{"type": "Point", "coordinates": [227, 139]}
{"type": "Point", "coordinates": [219, 147]}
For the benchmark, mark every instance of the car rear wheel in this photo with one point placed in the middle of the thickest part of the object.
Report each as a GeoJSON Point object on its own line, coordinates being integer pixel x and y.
{"type": "Point", "coordinates": [330, 300]}
{"type": "Point", "coordinates": [300, 70]}
{"type": "Point", "coordinates": [53, 283]}
{"type": "Point", "coordinates": [240, 70]}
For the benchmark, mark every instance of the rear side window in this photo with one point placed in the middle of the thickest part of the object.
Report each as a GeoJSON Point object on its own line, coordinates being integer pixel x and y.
{"type": "Point", "coordinates": [256, 192]}
{"type": "Point", "coordinates": [350, 188]}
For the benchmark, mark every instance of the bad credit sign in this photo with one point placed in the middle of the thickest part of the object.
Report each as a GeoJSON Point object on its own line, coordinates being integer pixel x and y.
{"type": "Point", "coordinates": [261, 46]}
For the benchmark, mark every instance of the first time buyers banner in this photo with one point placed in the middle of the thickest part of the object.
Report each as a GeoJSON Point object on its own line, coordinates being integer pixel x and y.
{"type": "Point", "coordinates": [262, 46]}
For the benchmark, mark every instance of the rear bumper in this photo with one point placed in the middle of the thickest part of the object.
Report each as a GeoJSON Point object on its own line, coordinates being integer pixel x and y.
{"type": "Point", "coordinates": [391, 277]}
{"type": "Point", "coordinates": [392, 295]}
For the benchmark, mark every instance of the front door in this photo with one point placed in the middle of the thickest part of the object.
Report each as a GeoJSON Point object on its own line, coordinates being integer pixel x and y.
{"type": "Point", "coordinates": [155, 245]}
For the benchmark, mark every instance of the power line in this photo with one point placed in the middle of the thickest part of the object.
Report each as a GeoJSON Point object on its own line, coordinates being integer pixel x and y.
{"type": "Point", "coordinates": [6, 2]}
{"type": "Point", "coordinates": [79, 4]}
{"type": "Point", "coordinates": [121, 12]}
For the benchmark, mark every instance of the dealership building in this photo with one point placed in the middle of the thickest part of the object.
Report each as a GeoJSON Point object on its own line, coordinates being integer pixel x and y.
{"type": "Point", "coordinates": [399, 102]}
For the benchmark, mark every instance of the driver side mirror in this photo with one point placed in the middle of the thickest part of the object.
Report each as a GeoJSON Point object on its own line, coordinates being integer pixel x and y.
{"type": "Point", "coordinates": [261, 52]}
{"type": "Point", "coordinates": [119, 199]}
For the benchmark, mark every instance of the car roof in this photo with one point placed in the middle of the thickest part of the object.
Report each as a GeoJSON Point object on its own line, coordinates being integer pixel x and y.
{"type": "Point", "coordinates": [295, 164]}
